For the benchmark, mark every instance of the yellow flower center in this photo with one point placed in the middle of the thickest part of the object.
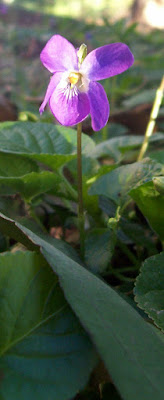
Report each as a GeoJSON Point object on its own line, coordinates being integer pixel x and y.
{"type": "Point", "coordinates": [74, 77]}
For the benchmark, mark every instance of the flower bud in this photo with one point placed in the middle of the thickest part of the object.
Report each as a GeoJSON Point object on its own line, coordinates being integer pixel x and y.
{"type": "Point", "coordinates": [82, 53]}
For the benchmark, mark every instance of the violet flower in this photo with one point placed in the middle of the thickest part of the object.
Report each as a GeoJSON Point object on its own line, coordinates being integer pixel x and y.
{"type": "Point", "coordinates": [73, 91]}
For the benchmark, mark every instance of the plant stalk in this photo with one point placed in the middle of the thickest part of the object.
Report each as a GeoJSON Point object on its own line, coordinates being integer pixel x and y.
{"type": "Point", "coordinates": [152, 119]}
{"type": "Point", "coordinates": [80, 191]}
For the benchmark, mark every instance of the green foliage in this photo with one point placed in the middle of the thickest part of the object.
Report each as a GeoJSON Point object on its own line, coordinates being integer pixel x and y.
{"type": "Point", "coordinates": [149, 289]}
{"type": "Point", "coordinates": [44, 351]}
{"type": "Point", "coordinates": [136, 233]}
{"type": "Point", "coordinates": [158, 156]}
{"type": "Point", "coordinates": [23, 146]}
{"type": "Point", "coordinates": [116, 184]}
{"type": "Point", "coordinates": [99, 247]}
{"type": "Point", "coordinates": [44, 143]}
{"type": "Point", "coordinates": [31, 167]}
{"type": "Point", "coordinates": [150, 202]}
{"type": "Point", "coordinates": [30, 185]}
{"type": "Point", "coordinates": [106, 316]}
{"type": "Point", "coordinates": [159, 184]}
{"type": "Point", "coordinates": [10, 165]}
{"type": "Point", "coordinates": [145, 96]}
{"type": "Point", "coordinates": [112, 147]}
{"type": "Point", "coordinates": [51, 330]}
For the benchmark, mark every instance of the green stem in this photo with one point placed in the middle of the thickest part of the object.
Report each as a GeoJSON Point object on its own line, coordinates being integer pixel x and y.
{"type": "Point", "coordinates": [80, 191]}
{"type": "Point", "coordinates": [32, 214]}
{"type": "Point", "coordinates": [129, 254]}
{"type": "Point", "coordinates": [125, 205]}
{"type": "Point", "coordinates": [124, 278]}
{"type": "Point", "coordinates": [152, 119]}
{"type": "Point", "coordinates": [120, 270]}
{"type": "Point", "coordinates": [120, 276]}
{"type": "Point", "coordinates": [127, 269]}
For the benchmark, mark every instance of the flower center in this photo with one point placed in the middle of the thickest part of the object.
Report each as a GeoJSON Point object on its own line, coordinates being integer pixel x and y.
{"type": "Point", "coordinates": [74, 78]}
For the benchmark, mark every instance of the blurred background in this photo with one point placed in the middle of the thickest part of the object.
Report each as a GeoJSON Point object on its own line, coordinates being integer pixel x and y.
{"type": "Point", "coordinates": [26, 25]}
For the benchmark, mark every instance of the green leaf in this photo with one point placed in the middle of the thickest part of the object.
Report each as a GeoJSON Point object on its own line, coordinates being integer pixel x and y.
{"type": "Point", "coordinates": [90, 167]}
{"type": "Point", "coordinates": [11, 206]}
{"type": "Point", "coordinates": [157, 156]}
{"type": "Point", "coordinates": [44, 351]}
{"type": "Point", "coordinates": [11, 165]}
{"type": "Point", "coordinates": [112, 147]}
{"type": "Point", "coordinates": [107, 206]}
{"type": "Point", "coordinates": [116, 184]}
{"type": "Point", "coordinates": [112, 130]}
{"type": "Point", "coordinates": [149, 290]}
{"type": "Point", "coordinates": [91, 202]}
{"type": "Point", "coordinates": [99, 248]}
{"type": "Point", "coordinates": [159, 184]}
{"type": "Point", "coordinates": [150, 202]}
{"type": "Point", "coordinates": [138, 234]}
{"type": "Point", "coordinates": [132, 350]}
{"type": "Point", "coordinates": [145, 96]}
{"type": "Point", "coordinates": [155, 140]}
{"type": "Point", "coordinates": [30, 185]}
{"type": "Point", "coordinates": [46, 143]}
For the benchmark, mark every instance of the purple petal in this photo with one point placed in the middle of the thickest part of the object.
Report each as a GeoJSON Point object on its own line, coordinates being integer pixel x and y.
{"type": "Point", "coordinates": [54, 80]}
{"type": "Point", "coordinates": [99, 106]}
{"type": "Point", "coordinates": [69, 108]}
{"type": "Point", "coordinates": [59, 55]}
{"type": "Point", "coordinates": [107, 61]}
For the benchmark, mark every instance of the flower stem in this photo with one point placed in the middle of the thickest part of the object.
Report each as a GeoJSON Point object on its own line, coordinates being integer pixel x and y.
{"type": "Point", "coordinates": [152, 119]}
{"type": "Point", "coordinates": [80, 190]}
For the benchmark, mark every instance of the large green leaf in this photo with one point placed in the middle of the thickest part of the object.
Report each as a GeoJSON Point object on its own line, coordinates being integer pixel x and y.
{"type": "Point", "coordinates": [149, 290]}
{"type": "Point", "coordinates": [131, 349]}
{"type": "Point", "coordinates": [116, 184]}
{"type": "Point", "coordinates": [151, 203]}
{"type": "Point", "coordinates": [47, 143]}
{"type": "Point", "coordinates": [112, 146]}
{"type": "Point", "coordinates": [155, 141]}
{"type": "Point", "coordinates": [30, 185]}
{"type": "Point", "coordinates": [11, 165]}
{"type": "Point", "coordinates": [117, 146]}
{"type": "Point", "coordinates": [44, 351]}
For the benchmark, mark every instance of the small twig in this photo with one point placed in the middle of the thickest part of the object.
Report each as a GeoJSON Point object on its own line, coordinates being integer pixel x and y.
{"type": "Point", "coordinates": [152, 119]}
